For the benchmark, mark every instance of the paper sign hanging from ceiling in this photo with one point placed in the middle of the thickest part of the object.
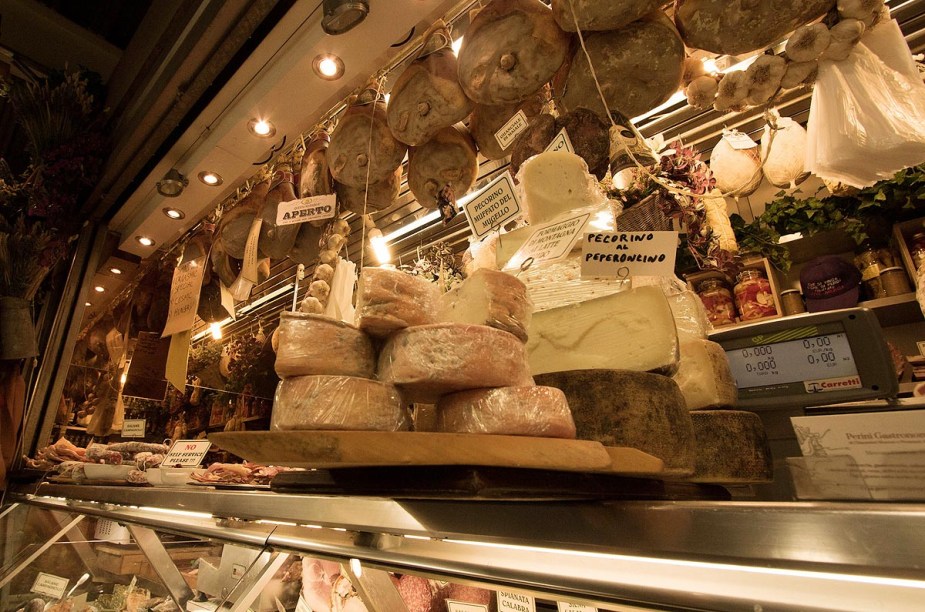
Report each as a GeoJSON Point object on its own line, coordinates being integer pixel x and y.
{"type": "Point", "coordinates": [624, 254]}
{"type": "Point", "coordinates": [184, 296]}
{"type": "Point", "coordinates": [146, 373]}
{"type": "Point", "coordinates": [313, 208]}
{"type": "Point", "coordinates": [249, 268]}
{"type": "Point", "coordinates": [493, 206]}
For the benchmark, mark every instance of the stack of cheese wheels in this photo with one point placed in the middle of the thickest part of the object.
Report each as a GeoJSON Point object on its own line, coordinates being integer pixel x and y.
{"type": "Point", "coordinates": [327, 369]}
{"type": "Point", "coordinates": [462, 351]}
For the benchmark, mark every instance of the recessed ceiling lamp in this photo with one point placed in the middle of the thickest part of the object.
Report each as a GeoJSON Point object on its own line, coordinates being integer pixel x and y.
{"type": "Point", "coordinates": [328, 66]}
{"type": "Point", "coordinates": [210, 178]}
{"type": "Point", "coordinates": [88, 304]}
{"type": "Point", "coordinates": [99, 289]}
{"type": "Point", "coordinates": [261, 127]}
{"type": "Point", "coordinates": [343, 15]}
{"type": "Point", "coordinates": [172, 184]}
{"type": "Point", "coordinates": [144, 241]}
{"type": "Point", "coordinates": [115, 270]}
{"type": "Point", "coordinates": [174, 213]}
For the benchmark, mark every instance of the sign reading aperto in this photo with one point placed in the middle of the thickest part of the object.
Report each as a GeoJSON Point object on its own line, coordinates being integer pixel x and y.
{"type": "Point", "coordinates": [312, 208]}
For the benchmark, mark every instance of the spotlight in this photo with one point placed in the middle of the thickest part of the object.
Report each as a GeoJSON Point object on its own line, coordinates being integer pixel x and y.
{"type": "Point", "coordinates": [174, 213]}
{"type": "Point", "coordinates": [343, 15]}
{"type": "Point", "coordinates": [210, 178]}
{"type": "Point", "coordinates": [329, 67]}
{"type": "Point", "coordinates": [172, 184]}
{"type": "Point", "coordinates": [144, 241]}
{"type": "Point", "coordinates": [261, 128]}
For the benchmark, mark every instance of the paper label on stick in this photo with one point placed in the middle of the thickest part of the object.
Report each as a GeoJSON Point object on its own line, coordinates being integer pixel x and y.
{"type": "Point", "coordinates": [739, 141]}
{"type": "Point", "coordinates": [462, 606]}
{"type": "Point", "coordinates": [570, 607]}
{"type": "Point", "coordinates": [515, 602]}
{"type": "Point", "coordinates": [227, 300]}
{"type": "Point", "coordinates": [561, 142]}
{"type": "Point", "coordinates": [145, 377]}
{"type": "Point", "coordinates": [625, 254]}
{"type": "Point", "coordinates": [49, 585]}
{"type": "Point", "coordinates": [494, 206]}
{"type": "Point", "coordinates": [514, 127]}
{"type": "Point", "coordinates": [133, 428]}
{"type": "Point", "coordinates": [306, 209]}
{"type": "Point", "coordinates": [249, 270]}
{"type": "Point", "coordinates": [184, 296]}
{"type": "Point", "coordinates": [186, 453]}
{"type": "Point", "coordinates": [178, 359]}
{"type": "Point", "coordinates": [549, 242]}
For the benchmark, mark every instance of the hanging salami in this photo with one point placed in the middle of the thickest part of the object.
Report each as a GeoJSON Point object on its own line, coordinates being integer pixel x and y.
{"type": "Point", "coordinates": [378, 197]}
{"type": "Point", "coordinates": [276, 240]}
{"type": "Point", "coordinates": [315, 175]}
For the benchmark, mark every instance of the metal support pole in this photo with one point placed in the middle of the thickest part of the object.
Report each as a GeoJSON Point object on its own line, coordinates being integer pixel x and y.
{"type": "Point", "coordinates": [51, 541]}
{"type": "Point", "coordinates": [254, 581]}
{"type": "Point", "coordinates": [162, 564]}
{"type": "Point", "coordinates": [79, 543]}
{"type": "Point", "coordinates": [376, 589]}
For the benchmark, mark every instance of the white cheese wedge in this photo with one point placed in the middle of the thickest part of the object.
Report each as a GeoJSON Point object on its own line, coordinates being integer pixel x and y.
{"type": "Point", "coordinates": [553, 183]}
{"type": "Point", "coordinates": [631, 330]}
{"type": "Point", "coordinates": [704, 375]}
{"type": "Point", "coordinates": [489, 297]}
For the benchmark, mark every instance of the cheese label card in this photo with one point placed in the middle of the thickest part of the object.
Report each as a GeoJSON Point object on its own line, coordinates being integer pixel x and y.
{"type": "Point", "coordinates": [184, 296]}
{"type": "Point", "coordinates": [133, 428]}
{"type": "Point", "coordinates": [49, 585]}
{"type": "Point", "coordinates": [512, 129]}
{"type": "Point", "coordinates": [186, 453]}
{"type": "Point", "coordinates": [146, 372]}
{"type": "Point", "coordinates": [739, 141]}
{"type": "Point", "coordinates": [570, 607]}
{"type": "Point", "coordinates": [561, 142]}
{"type": "Point", "coordinates": [494, 206]}
{"type": "Point", "coordinates": [462, 606]}
{"type": "Point", "coordinates": [549, 242]}
{"type": "Point", "coordinates": [249, 269]}
{"type": "Point", "coordinates": [515, 602]}
{"type": "Point", "coordinates": [625, 254]}
{"type": "Point", "coordinates": [306, 209]}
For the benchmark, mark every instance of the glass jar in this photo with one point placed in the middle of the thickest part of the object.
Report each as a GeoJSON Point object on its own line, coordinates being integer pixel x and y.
{"type": "Point", "coordinates": [867, 262]}
{"type": "Point", "coordinates": [918, 250]}
{"type": "Point", "coordinates": [791, 302]}
{"type": "Point", "coordinates": [717, 300]}
{"type": "Point", "coordinates": [754, 297]}
{"type": "Point", "coordinates": [895, 281]}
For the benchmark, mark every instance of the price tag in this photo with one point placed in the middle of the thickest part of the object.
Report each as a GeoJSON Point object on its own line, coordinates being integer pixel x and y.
{"type": "Point", "coordinates": [514, 127]}
{"type": "Point", "coordinates": [186, 453]}
{"type": "Point", "coordinates": [622, 254]}
{"type": "Point", "coordinates": [306, 209]}
{"type": "Point", "coordinates": [495, 205]}
{"type": "Point", "coordinates": [739, 141]}
{"type": "Point", "coordinates": [550, 241]}
{"type": "Point", "coordinates": [570, 607]}
{"type": "Point", "coordinates": [249, 269]}
{"type": "Point", "coordinates": [561, 142]}
{"type": "Point", "coordinates": [49, 585]}
{"type": "Point", "coordinates": [184, 296]}
{"type": "Point", "coordinates": [515, 602]}
{"type": "Point", "coordinates": [462, 606]}
{"type": "Point", "coordinates": [133, 428]}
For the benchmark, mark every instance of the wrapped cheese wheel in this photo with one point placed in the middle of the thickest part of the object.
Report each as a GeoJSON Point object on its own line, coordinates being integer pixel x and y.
{"type": "Point", "coordinates": [784, 154]}
{"type": "Point", "coordinates": [511, 48]}
{"type": "Point", "coordinates": [432, 360]}
{"type": "Point", "coordinates": [638, 67]}
{"type": "Point", "coordinates": [737, 170]}
{"type": "Point", "coordinates": [487, 120]}
{"type": "Point", "coordinates": [236, 223]}
{"type": "Point", "coordinates": [732, 28]}
{"type": "Point", "coordinates": [389, 300]}
{"type": "Point", "coordinates": [596, 15]}
{"type": "Point", "coordinates": [342, 403]}
{"type": "Point", "coordinates": [427, 97]}
{"type": "Point", "coordinates": [311, 344]}
{"type": "Point", "coordinates": [378, 196]}
{"type": "Point", "coordinates": [315, 176]}
{"type": "Point", "coordinates": [515, 411]}
{"type": "Point", "coordinates": [489, 297]}
{"type": "Point", "coordinates": [276, 240]}
{"type": "Point", "coordinates": [446, 166]}
{"type": "Point", "coordinates": [362, 147]}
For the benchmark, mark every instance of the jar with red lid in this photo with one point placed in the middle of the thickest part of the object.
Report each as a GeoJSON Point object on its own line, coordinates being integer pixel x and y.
{"type": "Point", "coordinates": [717, 300]}
{"type": "Point", "coordinates": [754, 297]}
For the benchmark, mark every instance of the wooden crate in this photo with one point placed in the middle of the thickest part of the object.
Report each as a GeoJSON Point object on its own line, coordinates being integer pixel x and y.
{"type": "Point", "coordinates": [762, 264]}
{"type": "Point", "coordinates": [130, 561]}
{"type": "Point", "coordinates": [902, 235]}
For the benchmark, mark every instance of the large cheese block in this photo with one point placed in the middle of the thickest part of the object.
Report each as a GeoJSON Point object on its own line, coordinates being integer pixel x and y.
{"type": "Point", "coordinates": [389, 300]}
{"type": "Point", "coordinates": [514, 411]}
{"type": "Point", "coordinates": [690, 317]}
{"type": "Point", "coordinates": [432, 360]}
{"type": "Point", "coordinates": [555, 182]}
{"type": "Point", "coordinates": [704, 376]}
{"type": "Point", "coordinates": [635, 409]}
{"type": "Point", "coordinates": [732, 447]}
{"type": "Point", "coordinates": [489, 297]}
{"type": "Point", "coordinates": [630, 330]}
{"type": "Point", "coordinates": [311, 344]}
{"type": "Point", "coordinates": [342, 403]}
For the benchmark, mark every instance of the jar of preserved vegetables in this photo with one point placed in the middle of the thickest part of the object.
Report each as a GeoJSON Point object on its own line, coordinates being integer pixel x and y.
{"type": "Point", "coordinates": [717, 300]}
{"type": "Point", "coordinates": [753, 295]}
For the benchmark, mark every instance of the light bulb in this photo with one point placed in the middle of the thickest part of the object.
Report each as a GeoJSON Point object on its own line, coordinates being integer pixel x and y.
{"type": "Point", "coordinates": [216, 330]}
{"type": "Point", "coordinates": [380, 249]}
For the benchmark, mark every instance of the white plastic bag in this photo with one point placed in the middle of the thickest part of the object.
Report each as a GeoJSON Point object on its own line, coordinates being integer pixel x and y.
{"type": "Point", "coordinates": [867, 119]}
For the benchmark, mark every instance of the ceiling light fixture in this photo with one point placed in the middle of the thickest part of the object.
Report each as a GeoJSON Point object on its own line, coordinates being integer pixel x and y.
{"type": "Point", "coordinates": [115, 270]}
{"type": "Point", "coordinates": [174, 213]}
{"type": "Point", "coordinates": [328, 66]}
{"type": "Point", "coordinates": [172, 184]}
{"type": "Point", "coordinates": [210, 178]}
{"type": "Point", "coordinates": [99, 289]}
{"type": "Point", "coordinates": [144, 241]}
{"type": "Point", "coordinates": [88, 304]}
{"type": "Point", "coordinates": [343, 15]}
{"type": "Point", "coordinates": [261, 127]}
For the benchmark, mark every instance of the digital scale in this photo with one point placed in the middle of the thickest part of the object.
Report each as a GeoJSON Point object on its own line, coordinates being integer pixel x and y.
{"type": "Point", "coordinates": [810, 359]}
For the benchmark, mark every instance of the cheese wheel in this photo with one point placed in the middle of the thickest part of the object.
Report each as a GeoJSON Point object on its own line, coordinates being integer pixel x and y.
{"type": "Point", "coordinates": [635, 409]}
{"type": "Point", "coordinates": [732, 447]}
{"type": "Point", "coordinates": [432, 360]}
{"type": "Point", "coordinates": [311, 344]}
{"type": "Point", "coordinates": [704, 376]}
{"type": "Point", "coordinates": [513, 411]}
{"type": "Point", "coordinates": [556, 182]}
{"type": "Point", "coordinates": [489, 297]}
{"type": "Point", "coordinates": [337, 402]}
{"type": "Point", "coordinates": [389, 300]}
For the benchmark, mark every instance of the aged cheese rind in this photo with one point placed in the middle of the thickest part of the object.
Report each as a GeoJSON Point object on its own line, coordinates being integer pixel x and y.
{"type": "Point", "coordinates": [389, 300]}
{"type": "Point", "coordinates": [338, 403]}
{"type": "Point", "coordinates": [489, 297]}
{"type": "Point", "coordinates": [704, 376]}
{"type": "Point", "coordinates": [630, 330]}
{"type": "Point", "coordinates": [635, 409]}
{"type": "Point", "coordinates": [314, 344]}
{"type": "Point", "coordinates": [553, 183]}
{"type": "Point", "coordinates": [514, 411]}
{"type": "Point", "coordinates": [432, 360]}
{"type": "Point", "coordinates": [732, 447]}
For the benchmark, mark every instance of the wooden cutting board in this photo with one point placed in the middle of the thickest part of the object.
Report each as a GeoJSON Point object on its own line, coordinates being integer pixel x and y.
{"type": "Point", "coordinates": [330, 449]}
